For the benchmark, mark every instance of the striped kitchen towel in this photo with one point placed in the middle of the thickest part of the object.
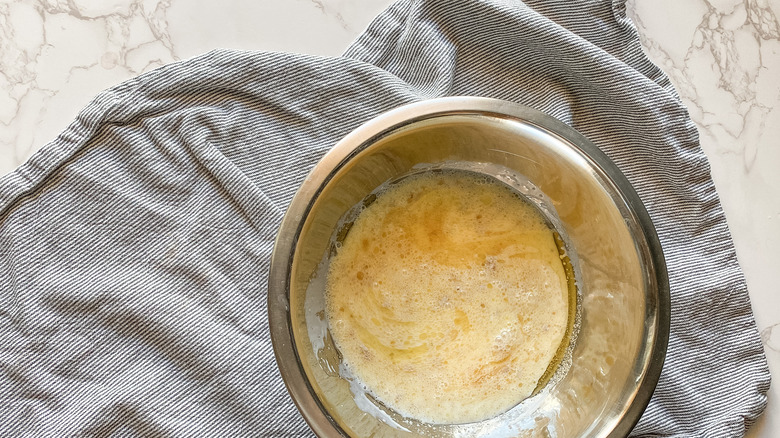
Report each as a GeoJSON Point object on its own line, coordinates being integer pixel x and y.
{"type": "Point", "coordinates": [134, 248]}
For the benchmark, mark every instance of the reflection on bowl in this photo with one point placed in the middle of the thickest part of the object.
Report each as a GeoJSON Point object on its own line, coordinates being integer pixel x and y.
{"type": "Point", "coordinates": [622, 290]}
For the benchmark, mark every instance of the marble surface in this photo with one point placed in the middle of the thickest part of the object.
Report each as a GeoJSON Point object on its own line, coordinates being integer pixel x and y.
{"type": "Point", "coordinates": [722, 55]}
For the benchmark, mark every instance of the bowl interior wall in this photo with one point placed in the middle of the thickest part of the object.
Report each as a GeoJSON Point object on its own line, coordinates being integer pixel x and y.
{"type": "Point", "coordinates": [611, 348]}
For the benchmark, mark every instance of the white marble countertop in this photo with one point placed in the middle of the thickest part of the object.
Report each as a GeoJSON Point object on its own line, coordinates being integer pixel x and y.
{"type": "Point", "coordinates": [722, 55]}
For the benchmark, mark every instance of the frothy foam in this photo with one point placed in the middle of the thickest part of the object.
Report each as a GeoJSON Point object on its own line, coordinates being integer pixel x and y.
{"type": "Point", "coordinates": [447, 298]}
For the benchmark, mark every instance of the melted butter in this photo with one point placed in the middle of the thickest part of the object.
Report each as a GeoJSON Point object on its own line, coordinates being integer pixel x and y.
{"type": "Point", "coordinates": [448, 299]}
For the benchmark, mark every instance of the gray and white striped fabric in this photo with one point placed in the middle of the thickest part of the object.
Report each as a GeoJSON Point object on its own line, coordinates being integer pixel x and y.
{"type": "Point", "coordinates": [134, 248]}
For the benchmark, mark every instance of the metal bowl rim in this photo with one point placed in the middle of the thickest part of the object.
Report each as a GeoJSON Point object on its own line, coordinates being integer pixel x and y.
{"type": "Point", "coordinates": [288, 361]}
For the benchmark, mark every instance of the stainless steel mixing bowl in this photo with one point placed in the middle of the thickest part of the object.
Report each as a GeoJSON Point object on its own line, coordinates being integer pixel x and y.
{"type": "Point", "coordinates": [623, 293]}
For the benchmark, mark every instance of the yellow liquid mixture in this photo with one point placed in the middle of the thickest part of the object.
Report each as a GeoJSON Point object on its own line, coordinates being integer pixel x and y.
{"type": "Point", "coordinates": [448, 299]}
